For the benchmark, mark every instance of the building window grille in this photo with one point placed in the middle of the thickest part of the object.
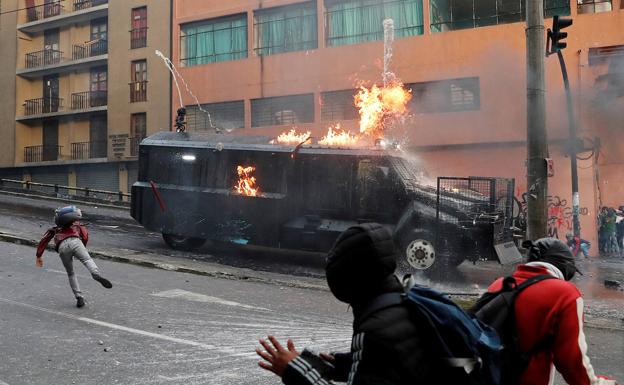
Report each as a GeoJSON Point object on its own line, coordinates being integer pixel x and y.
{"type": "Point", "coordinates": [282, 110]}
{"type": "Point", "coordinates": [138, 86]}
{"type": "Point", "coordinates": [138, 33]}
{"type": "Point", "coordinates": [446, 95]}
{"type": "Point", "coordinates": [214, 40]}
{"type": "Point", "coordinates": [225, 115]}
{"type": "Point", "coordinates": [356, 21]}
{"type": "Point", "coordinates": [285, 29]}
{"type": "Point", "coordinates": [449, 15]}
{"type": "Point", "coordinates": [594, 6]}
{"type": "Point", "coordinates": [338, 105]}
{"type": "Point", "coordinates": [138, 131]}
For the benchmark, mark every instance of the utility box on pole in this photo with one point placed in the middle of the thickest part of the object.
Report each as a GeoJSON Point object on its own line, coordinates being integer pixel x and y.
{"type": "Point", "coordinates": [537, 139]}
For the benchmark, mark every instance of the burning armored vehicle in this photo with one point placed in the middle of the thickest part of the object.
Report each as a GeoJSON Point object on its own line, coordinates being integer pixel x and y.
{"type": "Point", "coordinates": [198, 187]}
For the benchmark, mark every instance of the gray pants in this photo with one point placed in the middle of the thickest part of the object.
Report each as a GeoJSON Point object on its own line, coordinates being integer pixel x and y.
{"type": "Point", "coordinates": [70, 248]}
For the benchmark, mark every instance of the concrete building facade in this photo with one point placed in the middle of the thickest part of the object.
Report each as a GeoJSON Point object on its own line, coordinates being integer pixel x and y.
{"type": "Point", "coordinates": [86, 88]}
{"type": "Point", "coordinates": [262, 67]}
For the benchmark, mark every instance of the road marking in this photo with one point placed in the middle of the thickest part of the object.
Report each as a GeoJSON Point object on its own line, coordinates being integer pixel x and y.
{"type": "Point", "coordinates": [229, 352]}
{"type": "Point", "coordinates": [197, 297]}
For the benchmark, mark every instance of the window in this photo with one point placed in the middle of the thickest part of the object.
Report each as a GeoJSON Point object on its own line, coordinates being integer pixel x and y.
{"type": "Point", "coordinates": [214, 40]}
{"type": "Point", "coordinates": [594, 6]}
{"type": "Point", "coordinates": [338, 105]}
{"type": "Point", "coordinates": [138, 86]}
{"type": "Point", "coordinates": [227, 115]}
{"type": "Point", "coordinates": [138, 131]}
{"type": "Point", "coordinates": [282, 110]}
{"type": "Point", "coordinates": [285, 29]}
{"type": "Point", "coordinates": [138, 33]}
{"type": "Point", "coordinates": [356, 21]}
{"type": "Point", "coordinates": [446, 95]}
{"type": "Point", "coordinates": [448, 15]}
{"type": "Point", "coordinates": [98, 87]}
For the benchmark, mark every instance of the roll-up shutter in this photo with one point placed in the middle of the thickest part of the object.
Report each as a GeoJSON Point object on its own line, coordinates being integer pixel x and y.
{"type": "Point", "coordinates": [133, 173]}
{"type": "Point", "coordinates": [98, 176]}
{"type": "Point", "coordinates": [50, 175]}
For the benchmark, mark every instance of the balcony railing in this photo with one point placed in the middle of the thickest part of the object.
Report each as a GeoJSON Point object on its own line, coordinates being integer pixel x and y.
{"type": "Point", "coordinates": [41, 153]}
{"type": "Point", "coordinates": [83, 51]}
{"type": "Point", "coordinates": [134, 145]}
{"type": "Point", "coordinates": [55, 8]}
{"type": "Point", "coordinates": [88, 99]}
{"type": "Point", "coordinates": [42, 105]}
{"type": "Point", "coordinates": [138, 38]}
{"type": "Point", "coordinates": [84, 4]}
{"type": "Point", "coordinates": [138, 91]}
{"type": "Point", "coordinates": [43, 58]}
{"type": "Point", "coordinates": [88, 150]}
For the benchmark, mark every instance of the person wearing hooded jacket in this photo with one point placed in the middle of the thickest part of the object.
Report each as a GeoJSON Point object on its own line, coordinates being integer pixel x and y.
{"type": "Point", "coordinates": [549, 318]}
{"type": "Point", "coordinates": [387, 348]}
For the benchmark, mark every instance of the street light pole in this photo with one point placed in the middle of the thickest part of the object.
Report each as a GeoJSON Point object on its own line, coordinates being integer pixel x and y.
{"type": "Point", "coordinates": [537, 140]}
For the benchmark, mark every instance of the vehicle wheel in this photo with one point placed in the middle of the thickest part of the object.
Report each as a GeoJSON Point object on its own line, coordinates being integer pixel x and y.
{"type": "Point", "coordinates": [179, 242]}
{"type": "Point", "coordinates": [420, 254]}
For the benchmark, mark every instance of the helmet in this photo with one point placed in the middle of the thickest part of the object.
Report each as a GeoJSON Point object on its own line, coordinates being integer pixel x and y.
{"type": "Point", "coordinates": [64, 216]}
{"type": "Point", "coordinates": [569, 236]}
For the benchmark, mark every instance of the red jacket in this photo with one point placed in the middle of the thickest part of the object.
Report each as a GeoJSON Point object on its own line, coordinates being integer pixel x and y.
{"type": "Point", "coordinates": [552, 308]}
{"type": "Point", "coordinates": [59, 234]}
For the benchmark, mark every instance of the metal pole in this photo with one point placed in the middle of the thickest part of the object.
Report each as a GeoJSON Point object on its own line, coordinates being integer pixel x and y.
{"type": "Point", "coordinates": [574, 170]}
{"type": "Point", "coordinates": [537, 140]}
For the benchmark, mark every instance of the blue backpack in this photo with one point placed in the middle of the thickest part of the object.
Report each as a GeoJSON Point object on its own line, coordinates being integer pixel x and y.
{"type": "Point", "coordinates": [470, 349]}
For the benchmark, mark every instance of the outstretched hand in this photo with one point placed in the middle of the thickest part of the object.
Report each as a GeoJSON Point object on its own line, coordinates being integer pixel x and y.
{"type": "Point", "coordinates": [276, 357]}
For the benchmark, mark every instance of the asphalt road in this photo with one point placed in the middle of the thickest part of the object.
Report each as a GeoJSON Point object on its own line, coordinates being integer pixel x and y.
{"type": "Point", "coordinates": [160, 327]}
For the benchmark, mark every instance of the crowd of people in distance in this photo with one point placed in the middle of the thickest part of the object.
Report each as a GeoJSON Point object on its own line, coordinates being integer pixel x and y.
{"type": "Point", "coordinates": [611, 232]}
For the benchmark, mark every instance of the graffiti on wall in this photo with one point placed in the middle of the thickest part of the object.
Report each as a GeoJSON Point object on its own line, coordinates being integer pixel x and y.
{"type": "Point", "coordinates": [559, 215]}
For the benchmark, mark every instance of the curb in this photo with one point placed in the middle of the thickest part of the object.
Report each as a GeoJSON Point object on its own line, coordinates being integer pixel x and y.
{"type": "Point", "coordinates": [235, 275]}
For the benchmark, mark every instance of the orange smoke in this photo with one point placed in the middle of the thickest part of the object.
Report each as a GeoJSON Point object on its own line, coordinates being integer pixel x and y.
{"type": "Point", "coordinates": [337, 137]}
{"type": "Point", "coordinates": [377, 104]}
{"type": "Point", "coordinates": [246, 183]}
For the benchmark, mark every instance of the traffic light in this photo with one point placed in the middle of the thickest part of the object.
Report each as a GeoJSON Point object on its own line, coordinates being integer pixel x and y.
{"type": "Point", "coordinates": [556, 36]}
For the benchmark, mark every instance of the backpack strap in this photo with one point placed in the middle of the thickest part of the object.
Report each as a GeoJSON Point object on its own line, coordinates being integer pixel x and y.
{"type": "Point", "coordinates": [532, 280]}
{"type": "Point", "coordinates": [382, 301]}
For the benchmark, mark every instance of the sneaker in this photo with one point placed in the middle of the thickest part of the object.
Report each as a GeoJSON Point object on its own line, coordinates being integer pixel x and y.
{"type": "Point", "coordinates": [80, 302]}
{"type": "Point", "coordinates": [105, 282]}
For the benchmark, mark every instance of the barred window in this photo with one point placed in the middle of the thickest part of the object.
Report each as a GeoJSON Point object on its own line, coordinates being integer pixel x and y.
{"type": "Point", "coordinates": [449, 15]}
{"type": "Point", "coordinates": [446, 95]}
{"type": "Point", "coordinates": [285, 29]}
{"type": "Point", "coordinates": [214, 40]}
{"type": "Point", "coordinates": [356, 21]}
{"type": "Point", "coordinates": [338, 105]}
{"type": "Point", "coordinates": [226, 115]}
{"type": "Point", "coordinates": [282, 110]}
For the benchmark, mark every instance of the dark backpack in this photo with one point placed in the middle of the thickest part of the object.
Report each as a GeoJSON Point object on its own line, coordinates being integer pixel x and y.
{"type": "Point", "coordinates": [468, 350]}
{"type": "Point", "coordinates": [497, 310]}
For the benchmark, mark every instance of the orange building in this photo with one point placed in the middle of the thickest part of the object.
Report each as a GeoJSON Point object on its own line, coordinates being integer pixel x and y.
{"type": "Point", "coordinates": [261, 67]}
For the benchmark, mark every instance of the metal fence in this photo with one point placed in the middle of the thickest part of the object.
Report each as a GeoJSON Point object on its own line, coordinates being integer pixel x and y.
{"type": "Point", "coordinates": [88, 99]}
{"type": "Point", "coordinates": [42, 106]}
{"type": "Point", "coordinates": [138, 38]}
{"type": "Point", "coordinates": [83, 51]}
{"type": "Point", "coordinates": [118, 196]}
{"type": "Point", "coordinates": [44, 57]}
{"type": "Point", "coordinates": [88, 150]}
{"type": "Point", "coordinates": [41, 153]}
{"type": "Point", "coordinates": [138, 91]}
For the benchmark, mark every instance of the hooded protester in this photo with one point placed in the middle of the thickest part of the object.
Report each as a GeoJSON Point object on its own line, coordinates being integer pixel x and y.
{"type": "Point", "coordinates": [549, 317]}
{"type": "Point", "coordinates": [387, 346]}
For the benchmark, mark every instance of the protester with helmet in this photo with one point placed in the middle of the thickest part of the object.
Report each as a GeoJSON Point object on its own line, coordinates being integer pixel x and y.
{"type": "Point", "coordinates": [70, 240]}
{"type": "Point", "coordinates": [578, 245]}
{"type": "Point", "coordinates": [387, 346]}
{"type": "Point", "coordinates": [549, 317]}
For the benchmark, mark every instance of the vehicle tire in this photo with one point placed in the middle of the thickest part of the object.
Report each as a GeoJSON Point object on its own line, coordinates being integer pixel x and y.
{"type": "Point", "coordinates": [179, 242]}
{"type": "Point", "coordinates": [419, 254]}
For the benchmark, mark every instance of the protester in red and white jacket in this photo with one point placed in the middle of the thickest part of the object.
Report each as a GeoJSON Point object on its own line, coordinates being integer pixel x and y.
{"type": "Point", "coordinates": [70, 241]}
{"type": "Point", "coordinates": [552, 311]}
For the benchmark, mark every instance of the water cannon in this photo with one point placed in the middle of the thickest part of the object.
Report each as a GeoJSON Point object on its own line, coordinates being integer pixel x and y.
{"type": "Point", "coordinates": [555, 37]}
{"type": "Point", "coordinates": [387, 144]}
{"type": "Point", "coordinates": [180, 122]}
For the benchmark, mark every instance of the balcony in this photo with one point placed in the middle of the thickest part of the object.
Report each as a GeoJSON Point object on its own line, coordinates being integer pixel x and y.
{"type": "Point", "coordinates": [39, 18]}
{"type": "Point", "coordinates": [82, 103]}
{"type": "Point", "coordinates": [88, 99]}
{"type": "Point", "coordinates": [88, 150]}
{"type": "Point", "coordinates": [138, 91]}
{"type": "Point", "coordinates": [49, 61]}
{"type": "Point", "coordinates": [42, 153]}
{"type": "Point", "coordinates": [84, 51]}
{"type": "Point", "coordinates": [138, 38]}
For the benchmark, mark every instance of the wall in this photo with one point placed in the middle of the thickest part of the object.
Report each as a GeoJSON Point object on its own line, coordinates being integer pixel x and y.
{"type": "Point", "coordinates": [8, 42]}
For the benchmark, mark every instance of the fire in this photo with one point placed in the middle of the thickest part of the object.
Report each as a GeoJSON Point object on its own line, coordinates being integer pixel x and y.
{"type": "Point", "coordinates": [246, 183]}
{"type": "Point", "coordinates": [292, 137]}
{"type": "Point", "coordinates": [338, 137]}
{"type": "Point", "coordinates": [377, 104]}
